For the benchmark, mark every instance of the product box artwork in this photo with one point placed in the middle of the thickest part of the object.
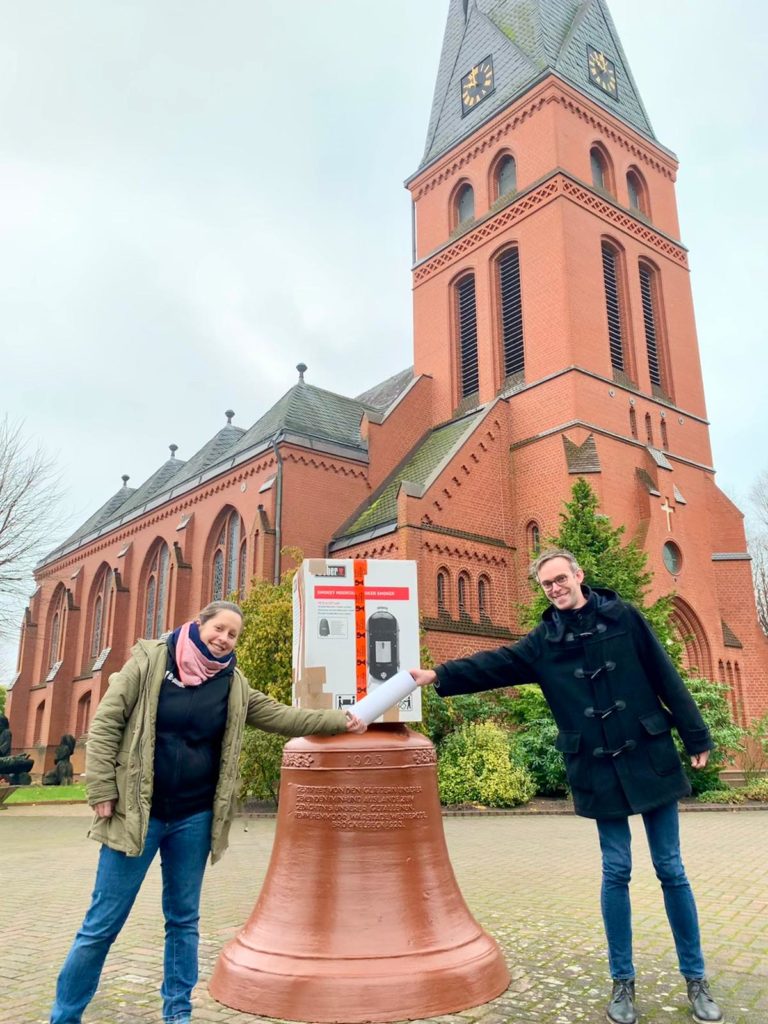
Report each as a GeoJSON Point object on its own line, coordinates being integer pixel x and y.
{"type": "Point", "coordinates": [355, 624]}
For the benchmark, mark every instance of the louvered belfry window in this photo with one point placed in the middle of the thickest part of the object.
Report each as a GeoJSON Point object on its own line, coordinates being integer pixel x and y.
{"type": "Point", "coordinates": [613, 306]}
{"type": "Point", "coordinates": [468, 369]}
{"type": "Point", "coordinates": [650, 321]}
{"type": "Point", "coordinates": [511, 313]}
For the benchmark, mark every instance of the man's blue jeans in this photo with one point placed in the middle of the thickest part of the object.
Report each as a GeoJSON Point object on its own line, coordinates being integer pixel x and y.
{"type": "Point", "coordinates": [184, 847]}
{"type": "Point", "coordinates": [663, 832]}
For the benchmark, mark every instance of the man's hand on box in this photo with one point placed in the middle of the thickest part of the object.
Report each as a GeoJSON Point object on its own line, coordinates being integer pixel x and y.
{"type": "Point", "coordinates": [355, 724]}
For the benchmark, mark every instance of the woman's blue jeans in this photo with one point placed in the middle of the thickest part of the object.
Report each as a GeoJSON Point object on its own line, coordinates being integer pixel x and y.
{"type": "Point", "coordinates": [184, 846]}
{"type": "Point", "coordinates": [662, 827]}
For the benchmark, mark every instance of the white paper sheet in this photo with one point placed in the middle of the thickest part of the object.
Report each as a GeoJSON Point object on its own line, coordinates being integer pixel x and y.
{"type": "Point", "coordinates": [385, 696]}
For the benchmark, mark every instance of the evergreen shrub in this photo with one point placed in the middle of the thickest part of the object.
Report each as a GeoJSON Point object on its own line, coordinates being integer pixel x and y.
{"type": "Point", "coordinates": [475, 766]}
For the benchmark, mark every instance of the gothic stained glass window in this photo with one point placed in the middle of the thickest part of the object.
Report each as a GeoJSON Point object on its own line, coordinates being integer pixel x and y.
{"type": "Point", "coordinates": [217, 593]}
{"type": "Point", "coordinates": [98, 610]}
{"type": "Point", "coordinates": [482, 597]}
{"type": "Point", "coordinates": [228, 566]}
{"type": "Point", "coordinates": [150, 616]}
{"type": "Point", "coordinates": [243, 568]}
{"type": "Point", "coordinates": [157, 592]}
{"type": "Point", "coordinates": [55, 633]}
{"type": "Point", "coordinates": [101, 606]}
{"type": "Point", "coordinates": [162, 589]}
{"type": "Point", "coordinates": [233, 551]}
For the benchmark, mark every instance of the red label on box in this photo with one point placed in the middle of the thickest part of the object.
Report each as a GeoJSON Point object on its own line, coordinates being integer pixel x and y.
{"type": "Point", "coordinates": [330, 593]}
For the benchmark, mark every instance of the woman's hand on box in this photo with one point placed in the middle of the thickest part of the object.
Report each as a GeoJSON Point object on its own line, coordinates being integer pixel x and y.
{"type": "Point", "coordinates": [355, 724]}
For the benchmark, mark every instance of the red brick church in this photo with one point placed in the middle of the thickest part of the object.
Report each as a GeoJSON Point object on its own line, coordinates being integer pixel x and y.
{"type": "Point", "coordinates": [553, 337]}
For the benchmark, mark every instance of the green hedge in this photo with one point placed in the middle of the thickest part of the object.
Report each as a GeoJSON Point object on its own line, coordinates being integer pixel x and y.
{"type": "Point", "coordinates": [475, 766]}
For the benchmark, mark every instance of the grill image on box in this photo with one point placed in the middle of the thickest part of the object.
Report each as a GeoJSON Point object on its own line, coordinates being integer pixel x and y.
{"type": "Point", "coordinates": [383, 648]}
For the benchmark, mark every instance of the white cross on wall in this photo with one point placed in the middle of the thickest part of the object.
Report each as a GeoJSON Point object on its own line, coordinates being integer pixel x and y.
{"type": "Point", "coordinates": [666, 507]}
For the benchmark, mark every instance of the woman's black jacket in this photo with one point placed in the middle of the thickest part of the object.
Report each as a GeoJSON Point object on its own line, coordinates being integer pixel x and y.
{"type": "Point", "coordinates": [614, 694]}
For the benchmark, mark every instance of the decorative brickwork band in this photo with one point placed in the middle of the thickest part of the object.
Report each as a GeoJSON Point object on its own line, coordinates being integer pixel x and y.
{"type": "Point", "coordinates": [553, 188]}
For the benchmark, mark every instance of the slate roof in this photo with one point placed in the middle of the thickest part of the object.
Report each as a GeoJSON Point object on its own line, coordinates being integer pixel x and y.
{"type": "Point", "coordinates": [220, 445]}
{"type": "Point", "coordinates": [310, 412]}
{"type": "Point", "coordinates": [383, 395]}
{"type": "Point", "coordinates": [424, 461]}
{"type": "Point", "coordinates": [526, 39]}
{"type": "Point", "coordinates": [305, 410]}
{"type": "Point", "coordinates": [153, 485]}
{"type": "Point", "coordinates": [105, 514]}
{"type": "Point", "coordinates": [582, 458]}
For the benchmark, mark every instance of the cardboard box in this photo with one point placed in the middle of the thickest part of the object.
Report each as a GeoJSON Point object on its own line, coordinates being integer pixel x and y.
{"type": "Point", "coordinates": [355, 624]}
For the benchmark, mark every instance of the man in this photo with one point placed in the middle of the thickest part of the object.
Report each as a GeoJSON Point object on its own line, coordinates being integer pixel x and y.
{"type": "Point", "coordinates": [615, 695]}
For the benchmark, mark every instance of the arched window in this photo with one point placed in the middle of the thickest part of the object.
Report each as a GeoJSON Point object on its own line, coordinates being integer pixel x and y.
{"type": "Point", "coordinates": [228, 576]}
{"type": "Point", "coordinates": [511, 313]}
{"type": "Point", "coordinates": [83, 715]}
{"type": "Point", "coordinates": [637, 192]}
{"type": "Point", "coordinates": [469, 376]}
{"type": "Point", "coordinates": [649, 291]}
{"type": "Point", "coordinates": [463, 596]}
{"type": "Point", "coordinates": [506, 177]}
{"type": "Point", "coordinates": [56, 632]}
{"type": "Point", "coordinates": [243, 568]}
{"type": "Point", "coordinates": [632, 421]}
{"type": "Point", "coordinates": [100, 610]}
{"type": "Point", "coordinates": [614, 305]}
{"type": "Point", "coordinates": [38, 729]}
{"type": "Point", "coordinates": [602, 176]}
{"type": "Point", "coordinates": [533, 535]}
{"type": "Point", "coordinates": [649, 429]}
{"type": "Point", "coordinates": [442, 593]}
{"type": "Point", "coordinates": [465, 205]}
{"type": "Point", "coordinates": [664, 435]}
{"type": "Point", "coordinates": [156, 593]}
{"type": "Point", "coordinates": [484, 597]}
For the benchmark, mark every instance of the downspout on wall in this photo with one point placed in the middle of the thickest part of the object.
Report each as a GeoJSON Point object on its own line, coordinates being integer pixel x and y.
{"type": "Point", "coordinates": [278, 511]}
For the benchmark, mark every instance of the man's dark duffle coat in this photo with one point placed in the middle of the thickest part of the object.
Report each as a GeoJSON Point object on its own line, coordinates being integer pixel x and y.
{"type": "Point", "coordinates": [614, 694]}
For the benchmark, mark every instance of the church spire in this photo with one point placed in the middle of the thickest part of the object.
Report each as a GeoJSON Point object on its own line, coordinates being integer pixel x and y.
{"type": "Point", "coordinates": [495, 50]}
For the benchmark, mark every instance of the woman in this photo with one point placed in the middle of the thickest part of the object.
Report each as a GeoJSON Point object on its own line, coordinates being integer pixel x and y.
{"type": "Point", "coordinates": [161, 774]}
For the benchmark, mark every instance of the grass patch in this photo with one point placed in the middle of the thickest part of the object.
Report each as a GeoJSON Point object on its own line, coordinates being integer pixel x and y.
{"type": "Point", "coordinates": [47, 794]}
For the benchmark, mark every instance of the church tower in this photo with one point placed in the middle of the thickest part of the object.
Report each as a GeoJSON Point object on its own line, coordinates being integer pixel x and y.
{"type": "Point", "coordinates": [550, 274]}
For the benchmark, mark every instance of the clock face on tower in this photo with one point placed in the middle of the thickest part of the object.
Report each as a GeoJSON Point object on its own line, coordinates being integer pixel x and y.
{"type": "Point", "coordinates": [477, 84]}
{"type": "Point", "coordinates": [602, 71]}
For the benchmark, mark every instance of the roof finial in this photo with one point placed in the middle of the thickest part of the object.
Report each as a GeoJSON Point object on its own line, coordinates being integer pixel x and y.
{"type": "Point", "coordinates": [125, 478]}
{"type": "Point", "coordinates": [174, 448]}
{"type": "Point", "coordinates": [229, 414]}
{"type": "Point", "coordinates": [302, 368]}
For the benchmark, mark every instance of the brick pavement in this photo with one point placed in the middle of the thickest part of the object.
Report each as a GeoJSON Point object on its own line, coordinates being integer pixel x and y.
{"type": "Point", "coordinates": [532, 881]}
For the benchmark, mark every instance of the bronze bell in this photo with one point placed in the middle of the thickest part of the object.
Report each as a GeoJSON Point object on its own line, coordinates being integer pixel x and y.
{"type": "Point", "coordinates": [360, 917]}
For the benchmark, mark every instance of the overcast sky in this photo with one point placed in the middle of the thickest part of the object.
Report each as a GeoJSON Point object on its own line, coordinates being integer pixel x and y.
{"type": "Point", "coordinates": [197, 195]}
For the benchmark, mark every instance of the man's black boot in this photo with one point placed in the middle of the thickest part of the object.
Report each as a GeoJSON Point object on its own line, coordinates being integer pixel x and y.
{"type": "Point", "coordinates": [703, 1007]}
{"type": "Point", "coordinates": [621, 1009]}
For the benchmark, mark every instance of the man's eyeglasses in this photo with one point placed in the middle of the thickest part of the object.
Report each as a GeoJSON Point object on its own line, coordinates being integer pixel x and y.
{"type": "Point", "coordinates": [558, 581]}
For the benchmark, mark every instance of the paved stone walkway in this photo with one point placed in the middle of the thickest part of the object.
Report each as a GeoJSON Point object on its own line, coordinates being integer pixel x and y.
{"type": "Point", "coordinates": [532, 881]}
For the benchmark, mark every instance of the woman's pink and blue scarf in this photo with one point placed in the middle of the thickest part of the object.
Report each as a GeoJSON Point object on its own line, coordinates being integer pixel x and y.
{"type": "Point", "coordinates": [194, 662]}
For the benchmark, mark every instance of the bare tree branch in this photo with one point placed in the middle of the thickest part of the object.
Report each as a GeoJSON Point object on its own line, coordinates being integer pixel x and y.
{"type": "Point", "coordinates": [758, 547]}
{"type": "Point", "coordinates": [29, 494]}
